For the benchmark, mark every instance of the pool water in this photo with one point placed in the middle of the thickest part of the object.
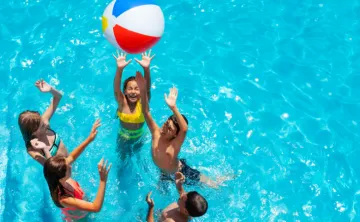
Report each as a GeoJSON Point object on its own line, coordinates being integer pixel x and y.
{"type": "Point", "coordinates": [270, 88]}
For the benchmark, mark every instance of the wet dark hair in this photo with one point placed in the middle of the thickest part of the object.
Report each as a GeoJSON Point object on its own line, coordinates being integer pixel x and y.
{"type": "Point", "coordinates": [131, 78]}
{"type": "Point", "coordinates": [54, 170]}
{"type": "Point", "coordinates": [176, 123]}
{"type": "Point", "coordinates": [29, 122]}
{"type": "Point", "coordinates": [196, 205]}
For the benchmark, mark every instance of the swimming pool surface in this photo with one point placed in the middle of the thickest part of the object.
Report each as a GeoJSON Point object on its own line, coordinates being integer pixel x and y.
{"type": "Point", "coordinates": [270, 88]}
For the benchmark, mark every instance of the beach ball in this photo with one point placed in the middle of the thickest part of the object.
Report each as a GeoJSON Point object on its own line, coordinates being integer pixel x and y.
{"type": "Point", "coordinates": [133, 25]}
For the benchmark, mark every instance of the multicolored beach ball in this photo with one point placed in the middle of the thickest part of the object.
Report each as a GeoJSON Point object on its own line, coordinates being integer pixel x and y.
{"type": "Point", "coordinates": [133, 25]}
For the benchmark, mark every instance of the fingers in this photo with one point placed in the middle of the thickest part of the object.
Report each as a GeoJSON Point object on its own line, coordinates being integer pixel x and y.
{"type": "Point", "coordinates": [149, 53]}
{"type": "Point", "coordinates": [148, 198]}
{"type": "Point", "coordinates": [176, 91]}
{"type": "Point", "coordinates": [177, 175]}
{"type": "Point", "coordinates": [100, 164]}
{"type": "Point", "coordinates": [108, 169]}
{"type": "Point", "coordinates": [165, 96]}
{"type": "Point", "coordinates": [138, 61]}
{"type": "Point", "coordinates": [152, 57]}
{"type": "Point", "coordinates": [173, 91]}
{"type": "Point", "coordinates": [103, 168]}
{"type": "Point", "coordinates": [119, 55]}
{"type": "Point", "coordinates": [128, 61]}
{"type": "Point", "coordinates": [96, 124]}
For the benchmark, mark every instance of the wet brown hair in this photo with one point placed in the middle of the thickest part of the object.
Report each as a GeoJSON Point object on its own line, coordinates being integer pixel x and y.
{"type": "Point", "coordinates": [131, 78]}
{"type": "Point", "coordinates": [54, 170]}
{"type": "Point", "coordinates": [176, 123]}
{"type": "Point", "coordinates": [29, 122]}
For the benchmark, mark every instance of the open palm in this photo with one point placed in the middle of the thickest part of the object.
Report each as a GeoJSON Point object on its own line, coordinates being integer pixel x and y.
{"type": "Point", "coordinates": [171, 98]}
{"type": "Point", "coordinates": [145, 59]}
{"type": "Point", "coordinates": [43, 86]}
{"type": "Point", "coordinates": [121, 59]}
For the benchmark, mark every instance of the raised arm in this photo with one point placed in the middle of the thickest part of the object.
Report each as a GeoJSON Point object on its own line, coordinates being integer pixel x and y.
{"type": "Point", "coordinates": [145, 104]}
{"type": "Point", "coordinates": [96, 205]}
{"type": "Point", "coordinates": [151, 204]}
{"type": "Point", "coordinates": [78, 150]}
{"type": "Point", "coordinates": [145, 63]}
{"type": "Point", "coordinates": [171, 102]}
{"type": "Point", "coordinates": [179, 180]}
{"type": "Point", "coordinates": [121, 64]}
{"type": "Point", "coordinates": [46, 88]}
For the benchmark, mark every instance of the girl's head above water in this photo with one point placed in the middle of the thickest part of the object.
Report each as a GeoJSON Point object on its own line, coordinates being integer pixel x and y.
{"type": "Point", "coordinates": [131, 90]}
{"type": "Point", "coordinates": [55, 169]}
{"type": "Point", "coordinates": [29, 122]}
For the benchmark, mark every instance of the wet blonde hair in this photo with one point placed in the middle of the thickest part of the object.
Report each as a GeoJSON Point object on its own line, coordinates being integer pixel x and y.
{"type": "Point", "coordinates": [29, 122]}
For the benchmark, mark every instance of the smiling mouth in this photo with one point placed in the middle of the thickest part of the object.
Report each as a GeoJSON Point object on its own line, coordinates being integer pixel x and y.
{"type": "Point", "coordinates": [132, 96]}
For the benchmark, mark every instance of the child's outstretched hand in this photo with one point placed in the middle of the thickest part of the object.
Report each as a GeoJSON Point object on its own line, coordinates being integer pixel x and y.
{"type": "Point", "coordinates": [94, 131]}
{"type": "Point", "coordinates": [121, 60]}
{"type": "Point", "coordinates": [103, 171]}
{"type": "Point", "coordinates": [43, 86]}
{"type": "Point", "coordinates": [145, 59]}
{"type": "Point", "coordinates": [149, 200]}
{"type": "Point", "coordinates": [171, 98]}
{"type": "Point", "coordinates": [179, 178]}
{"type": "Point", "coordinates": [140, 80]}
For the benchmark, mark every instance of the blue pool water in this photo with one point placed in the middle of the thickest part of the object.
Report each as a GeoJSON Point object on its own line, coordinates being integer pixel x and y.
{"type": "Point", "coordinates": [270, 88]}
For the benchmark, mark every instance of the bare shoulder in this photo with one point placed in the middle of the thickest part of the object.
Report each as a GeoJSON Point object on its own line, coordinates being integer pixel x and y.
{"type": "Point", "coordinates": [122, 105]}
{"type": "Point", "coordinates": [175, 219]}
{"type": "Point", "coordinates": [171, 213]}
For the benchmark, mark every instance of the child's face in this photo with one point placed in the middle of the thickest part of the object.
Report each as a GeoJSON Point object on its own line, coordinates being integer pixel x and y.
{"type": "Point", "coordinates": [168, 129]}
{"type": "Point", "coordinates": [132, 91]}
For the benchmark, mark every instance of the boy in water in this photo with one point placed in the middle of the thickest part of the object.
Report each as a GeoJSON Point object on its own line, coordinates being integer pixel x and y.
{"type": "Point", "coordinates": [167, 141]}
{"type": "Point", "coordinates": [190, 204]}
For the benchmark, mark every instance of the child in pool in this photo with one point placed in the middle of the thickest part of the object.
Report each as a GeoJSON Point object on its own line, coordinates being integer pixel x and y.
{"type": "Point", "coordinates": [40, 140]}
{"type": "Point", "coordinates": [66, 192]}
{"type": "Point", "coordinates": [190, 204]}
{"type": "Point", "coordinates": [129, 104]}
{"type": "Point", "coordinates": [167, 141]}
